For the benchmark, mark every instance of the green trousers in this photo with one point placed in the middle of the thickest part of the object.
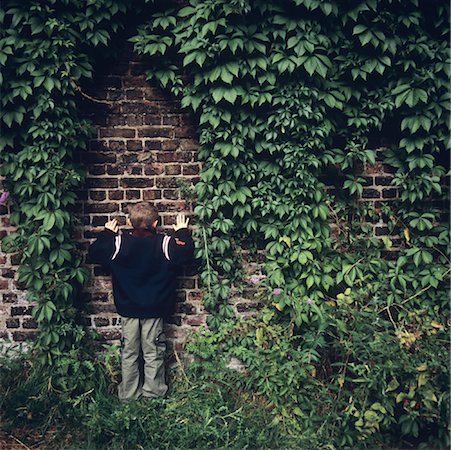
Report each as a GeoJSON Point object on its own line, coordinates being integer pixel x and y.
{"type": "Point", "coordinates": [142, 359]}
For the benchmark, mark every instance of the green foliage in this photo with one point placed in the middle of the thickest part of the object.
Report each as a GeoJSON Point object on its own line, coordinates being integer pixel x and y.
{"type": "Point", "coordinates": [284, 91]}
{"type": "Point", "coordinates": [43, 57]}
{"type": "Point", "coordinates": [349, 344]}
{"type": "Point", "coordinates": [204, 410]}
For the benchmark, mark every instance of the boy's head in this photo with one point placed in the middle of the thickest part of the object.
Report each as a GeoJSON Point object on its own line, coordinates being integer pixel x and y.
{"type": "Point", "coordinates": [143, 216]}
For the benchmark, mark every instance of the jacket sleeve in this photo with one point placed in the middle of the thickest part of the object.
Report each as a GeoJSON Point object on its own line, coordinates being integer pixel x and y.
{"type": "Point", "coordinates": [179, 249]}
{"type": "Point", "coordinates": [103, 248]}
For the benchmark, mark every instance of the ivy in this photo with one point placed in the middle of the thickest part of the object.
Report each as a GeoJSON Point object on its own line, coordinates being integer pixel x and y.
{"type": "Point", "coordinates": [43, 58]}
{"type": "Point", "coordinates": [283, 93]}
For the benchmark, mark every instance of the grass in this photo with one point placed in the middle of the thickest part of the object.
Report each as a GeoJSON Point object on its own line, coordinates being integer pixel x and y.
{"type": "Point", "coordinates": [200, 412]}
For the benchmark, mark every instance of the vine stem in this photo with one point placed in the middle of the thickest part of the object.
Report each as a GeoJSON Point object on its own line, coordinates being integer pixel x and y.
{"type": "Point", "coordinates": [207, 259]}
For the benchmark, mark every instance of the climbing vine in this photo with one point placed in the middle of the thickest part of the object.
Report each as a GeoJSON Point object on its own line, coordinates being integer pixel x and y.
{"type": "Point", "coordinates": [283, 92]}
{"type": "Point", "coordinates": [43, 56]}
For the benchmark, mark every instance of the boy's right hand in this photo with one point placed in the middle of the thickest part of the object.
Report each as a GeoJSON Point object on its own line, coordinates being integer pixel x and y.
{"type": "Point", "coordinates": [181, 222]}
{"type": "Point", "coordinates": [112, 226]}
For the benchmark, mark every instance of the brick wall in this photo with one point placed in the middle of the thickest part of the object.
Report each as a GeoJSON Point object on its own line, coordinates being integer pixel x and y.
{"type": "Point", "coordinates": [144, 144]}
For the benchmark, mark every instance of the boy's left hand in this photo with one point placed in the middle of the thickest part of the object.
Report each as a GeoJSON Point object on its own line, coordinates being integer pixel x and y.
{"type": "Point", "coordinates": [112, 226]}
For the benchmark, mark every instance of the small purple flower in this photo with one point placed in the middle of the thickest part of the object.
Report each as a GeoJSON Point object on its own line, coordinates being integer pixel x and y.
{"type": "Point", "coordinates": [310, 301]}
{"type": "Point", "coordinates": [4, 198]}
{"type": "Point", "coordinates": [255, 279]}
{"type": "Point", "coordinates": [277, 291]}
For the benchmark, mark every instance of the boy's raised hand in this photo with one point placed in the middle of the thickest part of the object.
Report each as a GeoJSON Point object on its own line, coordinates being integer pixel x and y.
{"type": "Point", "coordinates": [112, 226]}
{"type": "Point", "coordinates": [181, 222]}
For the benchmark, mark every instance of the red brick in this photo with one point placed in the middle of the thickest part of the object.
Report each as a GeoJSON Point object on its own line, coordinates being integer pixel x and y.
{"type": "Point", "coordinates": [137, 182]}
{"type": "Point", "coordinates": [183, 132]}
{"type": "Point", "coordinates": [152, 194]}
{"type": "Point", "coordinates": [152, 144]}
{"type": "Point", "coordinates": [171, 194]}
{"type": "Point", "coordinates": [154, 169]}
{"type": "Point", "coordinates": [29, 323]}
{"type": "Point", "coordinates": [101, 207]}
{"type": "Point", "coordinates": [134, 145]}
{"type": "Point", "coordinates": [12, 323]}
{"type": "Point", "coordinates": [133, 194]}
{"type": "Point", "coordinates": [134, 94]}
{"type": "Point", "coordinates": [97, 195]}
{"type": "Point", "coordinates": [117, 145]}
{"type": "Point", "coordinates": [115, 195]}
{"type": "Point", "coordinates": [117, 132]}
{"type": "Point", "coordinates": [164, 182]}
{"type": "Point", "coordinates": [152, 119]}
{"type": "Point", "coordinates": [20, 336]}
{"type": "Point", "coordinates": [133, 120]}
{"type": "Point", "coordinates": [190, 169]}
{"type": "Point", "coordinates": [173, 169]}
{"type": "Point", "coordinates": [101, 182]}
{"type": "Point", "coordinates": [170, 144]}
{"type": "Point", "coordinates": [157, 131]}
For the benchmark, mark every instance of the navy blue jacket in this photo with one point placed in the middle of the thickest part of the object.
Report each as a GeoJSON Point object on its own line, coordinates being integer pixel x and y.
{"type": "Point", "coordinates": [143, 267]}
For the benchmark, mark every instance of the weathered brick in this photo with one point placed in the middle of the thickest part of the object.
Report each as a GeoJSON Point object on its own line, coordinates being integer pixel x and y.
{"type": "Point", "coordinates": [164, 182]}
{"type": "Point", "coordinates": [153, 169]}
{"type": "Point", "coordinates": [383, 181]}
{"type": "Point", "coordinates": [117, 145]}
{"type": "Point", "coordinates": [371, 193]}
{"type": "Point", "coordinates": [156, 131]}
{"type": "Point", "coordinates": [137, 182]}
{"type": "Point", "coordinates": [173, 169]}
{"type": "Point", "coordinates": [133, 194]}
{"type": "Point", "coordinates": [97, 195]}
{"type": "Point", "coordinates": [117, 132]}
{"type": "Point", "coordinates": [115, 195]}
{"type": "Point", "coordinates": [12, 323]}
{"type": "Point", "coordinates": [20, 310]}
{"type": "Point", "coordinates": [248, 306]}
{"type": "Point", "coordinates": [101, 321]}
{"type": "Point", "coordinates": [171, 120]}
{"type": "Point", "coordinates": [102, 182]}
{"type": "Point", "coordinates": [185, 308]}
{"type": "Point", "coordinates": [7, 273]}
{"type": "Point", "coordinates": [389, 193]}
{"type": "Point", "coordinates": [115, 169]}
{"type": "Point", "coordinates": [171, 194]}
{"type": "Point", "coordinates": [135, 120]}
{"type": "Point", "coordinates": [135, 170]}
{"type": "Point", "coordinates": [183, 132]}
{"type": "Point", "coordinates": [101, 207]}
{"type": "Point", "coordinates": [152, 144]}
{"type": "Point", "coordinates": [21, 336]}
{"type": "Point", "coordinates": [190, 169]}
{"type": "Point", "coordinates": [152, 119]}
{"type": "Point", "coordinates": [29, 323]}
{"type": "Point", "coordinates": [153, 194]}
{"type": "Point", "coordinates": [134, 94]}
{"type": "Point", "coordinates": [194, 321]}
{"type": "Point", "coordinates": [9, 298]}
{"type": "Point", "coordinates": [117, 120]}
{"type": "Point", "coordinates": [97, 169]}
{"type": "Point", "coordinates": [134, 145]}
{"type": "Point", "coordinates": [100, 157]}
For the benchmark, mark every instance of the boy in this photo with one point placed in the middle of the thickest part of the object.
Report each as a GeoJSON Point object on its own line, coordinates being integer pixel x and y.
{"type": "Point", "coordinates": [143, 267]}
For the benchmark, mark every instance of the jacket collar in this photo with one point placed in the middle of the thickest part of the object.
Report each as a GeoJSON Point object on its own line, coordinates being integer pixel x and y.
{"type": "Point", "coordinates": [143, 232]}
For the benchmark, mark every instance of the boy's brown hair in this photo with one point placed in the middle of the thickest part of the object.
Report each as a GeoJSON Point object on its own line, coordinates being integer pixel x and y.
{"type": "Point", "coordinates": [143, 215]}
